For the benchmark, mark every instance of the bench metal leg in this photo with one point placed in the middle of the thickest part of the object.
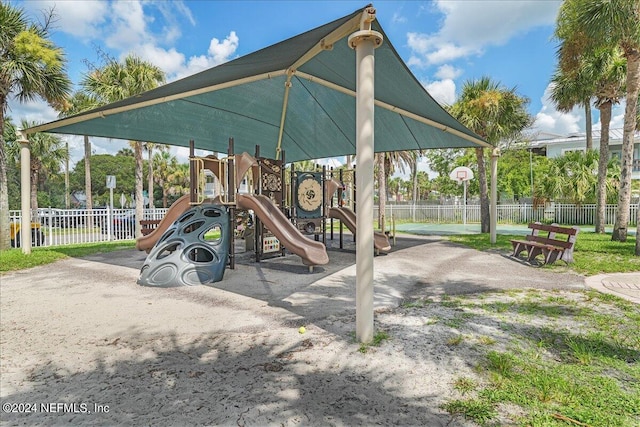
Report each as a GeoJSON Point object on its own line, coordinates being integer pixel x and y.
{"type": "Point", "coordinates": [533, 253]}
{"type": "Point", "coordinates": [518, 247]}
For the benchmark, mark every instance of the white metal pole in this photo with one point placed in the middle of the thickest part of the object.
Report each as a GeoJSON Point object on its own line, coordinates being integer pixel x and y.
{"type": "Point", "coordinates": [464, 203]}
{"type": "Point", "coordinates": [25, 193]}
{"type": "Point", "coordinates": [364, 42]}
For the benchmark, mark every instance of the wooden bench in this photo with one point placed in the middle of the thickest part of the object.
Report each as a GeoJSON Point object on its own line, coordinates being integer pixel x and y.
{"type": "Point", "coordinates": [148, 225]}
{"type": "Point", "coordinates": [551, 246]}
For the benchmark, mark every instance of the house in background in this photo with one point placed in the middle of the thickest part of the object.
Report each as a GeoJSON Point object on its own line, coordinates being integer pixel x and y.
{"type": "Point", "coordinates": [554, 145]}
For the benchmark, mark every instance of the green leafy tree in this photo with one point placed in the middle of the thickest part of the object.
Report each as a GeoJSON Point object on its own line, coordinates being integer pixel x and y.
{"type": "Point", "coordinates": [385, 165]}
{"type": "Point", "coordinates": [498, 115]}
{"type": "Point", "coordinates": [166, 165]}
{"type": "Point", "coordinates": [573, 177]}
{"type": "Point", "coordinates": [79, 102]}
{"type": "Point", "coordinates": [149, 147]}
{"type": "Point", "coordinates": [178, 180]}
{"type": "Point", "coordinates": [395, 187]}
{"type": "Point", "coordinates": [47, 154]}
{"type": "Point", "coordinates": [607, 24]}
{"type": "Point", "coordinates": [116, 81]}
{"type": "Point", "coordinates": [122, 167]}
{"type": "Point", "coordinates": [31, 66]}
{"type": "Point", "coordinates": [597, 72]}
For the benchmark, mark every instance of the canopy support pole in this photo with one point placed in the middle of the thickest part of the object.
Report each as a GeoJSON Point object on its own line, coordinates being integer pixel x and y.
{"type": "Point", "coordinates": [364, 42]}
{"type": "Point", "coordinates": [285, 104]}
{"type": "Point", "coordinates": [25, 189]}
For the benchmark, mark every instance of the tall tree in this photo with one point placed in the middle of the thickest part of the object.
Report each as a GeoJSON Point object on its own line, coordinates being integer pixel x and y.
{"type": "Point", "coordinates": [598, 71]}
{"type": "Point", "coordinates": [31, 66]}
{"type": "Point", "coordinates": [386, 164]}
{"type": "Point", "coordinates": [166, 165]}
{"type": "Point", "coordinates": [606, 24]}
{"type": "Point", "coordinates": [610, 68]}
{"type": "Point", "coordinates": [149, 146]}
{"type": "Point", "coordinates": [79, 102]}
{"type": "Point", "coordinates": [495, 113]}
{"type": "Point", "coordinates": [47, 154]}
{"type": "Point", "coordinates": [116, 81]}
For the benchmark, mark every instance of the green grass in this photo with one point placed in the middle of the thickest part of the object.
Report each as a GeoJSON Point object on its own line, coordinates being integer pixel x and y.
{"type": "Point", "coordinates": [585, 373]}
{"type": "Point", "coordinates": [14, 259]}
{"type": "Point", "coordinates": [378, 338]}
{"type": "Point", "coordinates": [593, 253]}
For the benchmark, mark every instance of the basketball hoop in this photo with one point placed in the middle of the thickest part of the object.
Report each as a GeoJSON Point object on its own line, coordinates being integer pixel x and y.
{"type": "Point", "coordinates": [461, 174]}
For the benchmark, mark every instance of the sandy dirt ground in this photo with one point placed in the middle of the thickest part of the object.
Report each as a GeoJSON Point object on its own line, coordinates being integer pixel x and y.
{"type": "Point", "coordinates": [82, 344]}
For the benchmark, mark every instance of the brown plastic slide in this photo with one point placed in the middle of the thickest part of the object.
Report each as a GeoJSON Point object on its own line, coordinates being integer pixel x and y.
{"type": "Point", "coordinates": [348, 218]}
{"type": "Point", "coordinates": [311, 252]}
{"type": "Point", "coordinates": [146, 243]}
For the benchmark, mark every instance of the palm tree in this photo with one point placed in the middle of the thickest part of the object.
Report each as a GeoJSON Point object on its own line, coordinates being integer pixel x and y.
{"type": "Point", "coordinates": [149, 146]}
{"type": "Point", "coordinates": [165, 166]}
{"type": "Point", "coordinates": [607, 24]}
{"type": "Point", "coordinates": [31, 66]}
{"type": "Point", "coordinates": [570, 89]}
{"type": "Point", "coordinates": [584, 71]}
{"type": "Point", "coordinates": [116, 81]}
{"type": "Point", "coordinates": [610, 67]}
{"type": "Point", "coordinates": [178, 180]}
{"type": "Point", "coordinates": [79, 102]}
{"type": "Point", "coordinates": [496, 114]}
{"type": "Point", "coordinates": [47, 154]}
{"type": "Point", "coordinates": [386, 164]}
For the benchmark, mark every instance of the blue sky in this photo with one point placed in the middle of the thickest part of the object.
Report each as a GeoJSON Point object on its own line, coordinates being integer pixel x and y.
{"type": "Point", "coordinates": [444, 43]}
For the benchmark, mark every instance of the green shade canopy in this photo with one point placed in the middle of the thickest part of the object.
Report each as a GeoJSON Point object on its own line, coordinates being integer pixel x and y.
{"type": "Point", "coordinates": [297, 95]}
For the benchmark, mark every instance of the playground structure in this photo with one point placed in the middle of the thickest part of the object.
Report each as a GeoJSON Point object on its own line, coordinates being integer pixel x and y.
{"type": "Point", "coordinates": [195, 241]}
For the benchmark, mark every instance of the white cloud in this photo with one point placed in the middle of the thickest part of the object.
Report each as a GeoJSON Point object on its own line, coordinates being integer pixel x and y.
{"type": "Point", "coordinates": [480, 23]}
{"type": "Point", "coordinates": [553, 121]}
{"type": "Point", "coordinates": [218, 53]}
{"type": "Point", "coordinates": [448, 72]}
{"type": "Point", "coordinates": [397, 18]}
{"type": "Point", "coordinates": [128, 25]}
{"type": "Point", "coordinates": [169, 60]}
{"type": "Point", "coordinates": [78, 18]}
{"type": "Point", "coordinates": [462, 34]}
{"type": "Point", "coordinates": [33, 111]}
{"type": "Point", "coordinates": [443, 91]}
{"type": "Point", "coordinates": [221, 51]}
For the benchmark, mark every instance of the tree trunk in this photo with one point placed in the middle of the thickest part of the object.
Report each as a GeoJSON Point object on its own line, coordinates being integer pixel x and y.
{"type": "Point", "coordinates": [87, 179]}
{"type": "Point", "coordinates": [624, 195]}
{"type": "Point", "coordinates": [588, 126]}
{"type": "Point", "coordinates": [382, 191]}
{"type": "Point", "coordinates": [637, 251]}
{"type": "Point", "coordinates": [139, 197]}
{"type": "Point", "coordinates": [4, 192]}
{"type": "Point", "coordinates": [33, 176]}
{"type": "Point", "coordinates": [149, 151]}
{"type": "Point", "coordinates": [484, 192]}
{"type": "Point", "coordinates": [601, 201]}
{"type": "Point", "coordinates": [414, 195]}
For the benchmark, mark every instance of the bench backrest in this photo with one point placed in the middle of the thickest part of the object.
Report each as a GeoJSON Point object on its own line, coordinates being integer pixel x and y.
{"type": "Point", "coordinates": [553, 230]}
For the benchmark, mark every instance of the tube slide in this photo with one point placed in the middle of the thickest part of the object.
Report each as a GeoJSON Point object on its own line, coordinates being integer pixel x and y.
{"type": "Point", "coordinates": [146, 243]}
{"type": "Point", "coordinates": [311, 252]}
{"type": "Point", "coordinates": [348, 218]}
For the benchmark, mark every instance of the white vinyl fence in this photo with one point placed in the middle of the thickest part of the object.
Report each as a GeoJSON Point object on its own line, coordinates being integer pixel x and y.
{"type": "Point", "coordinates": [70, 226]}
{"type": "Point", "coordinates": [568, 214]}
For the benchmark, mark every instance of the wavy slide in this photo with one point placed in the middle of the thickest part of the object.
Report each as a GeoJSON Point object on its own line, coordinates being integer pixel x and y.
{"type": "Point", "coordinates": [311, 252]}
{"type": "Point", "coordinates": [180, 206]}
{"type": "Point", "coordinates": [348, 218]}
